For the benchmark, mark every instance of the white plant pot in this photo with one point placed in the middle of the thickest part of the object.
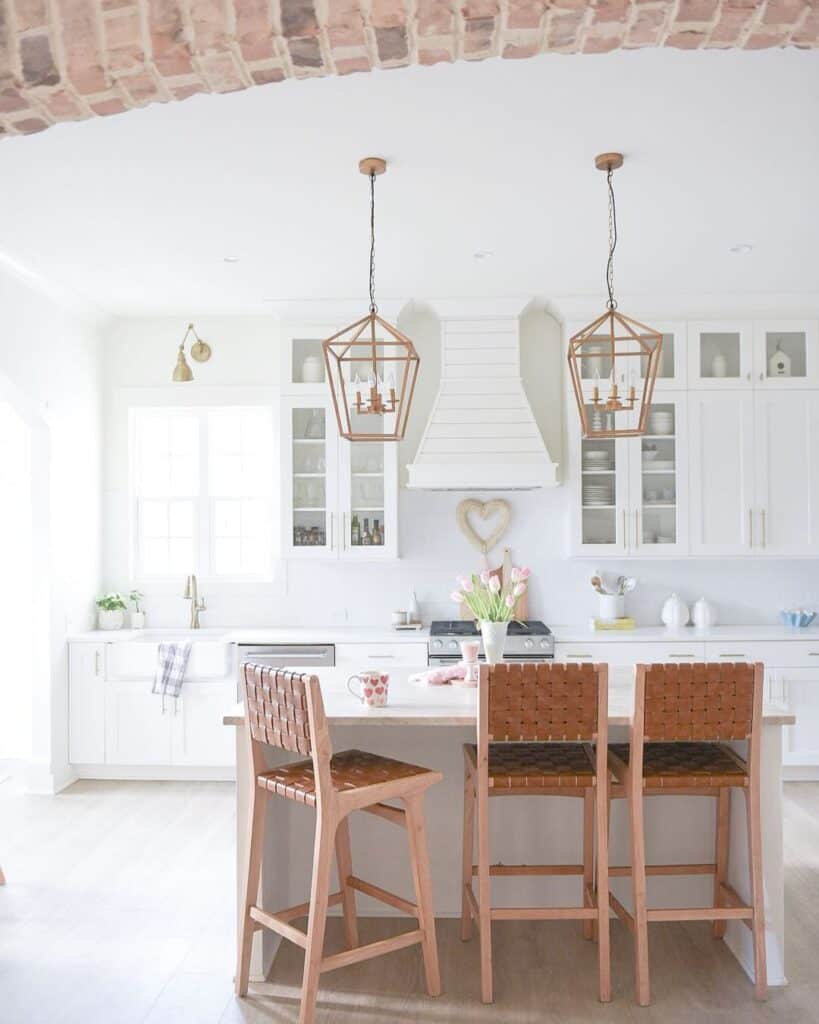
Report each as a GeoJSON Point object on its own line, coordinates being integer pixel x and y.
{"type": "Point", "coordinates": [494, 640]}
{"type": "Point", "coordinates": [110, 620]}
{"type": "Point", "coordinates": [137, 620]}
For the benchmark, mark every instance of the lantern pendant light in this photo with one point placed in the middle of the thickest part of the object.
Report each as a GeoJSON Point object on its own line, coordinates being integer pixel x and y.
{"type": "Point", "coordinates": [371, 365]}
{"type": "Point", "coordinates": [628, 349]}
{"type": "Point", "coordinates": [200, 351]}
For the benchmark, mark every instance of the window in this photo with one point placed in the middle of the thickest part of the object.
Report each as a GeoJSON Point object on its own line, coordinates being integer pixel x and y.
{"type": "Point", "coordinates": [203, 487]}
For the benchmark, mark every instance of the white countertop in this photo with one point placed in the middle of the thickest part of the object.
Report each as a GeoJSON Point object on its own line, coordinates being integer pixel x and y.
{"type": "Point", "coordinates": [384, 634]}
{"type": "Point", "coordinates": [416, 704]}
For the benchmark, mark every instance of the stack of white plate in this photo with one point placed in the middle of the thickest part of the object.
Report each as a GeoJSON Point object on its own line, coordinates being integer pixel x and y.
{"type": "Point", "coordinates": [598, 494]}
{"type": "Point", "coordinates": [661, 422]}
{"type": "Point", "coordinates": [596, 458]}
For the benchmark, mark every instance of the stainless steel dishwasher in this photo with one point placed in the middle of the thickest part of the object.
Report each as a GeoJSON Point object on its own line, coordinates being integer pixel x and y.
{"type": "Point", "coordinates": [298, 656]}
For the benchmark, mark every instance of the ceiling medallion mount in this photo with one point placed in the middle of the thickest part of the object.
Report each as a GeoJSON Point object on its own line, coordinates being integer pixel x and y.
{"type": "Point", "coordinates": [371, 365]}
{"type": "Point", "coordinates": [200, 351]}
{"type": "Point", "coordinates": [616, 347]}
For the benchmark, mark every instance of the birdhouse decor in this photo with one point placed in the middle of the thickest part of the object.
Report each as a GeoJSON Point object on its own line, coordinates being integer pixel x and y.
{"type": "Point", "coordinates": [779, 365]}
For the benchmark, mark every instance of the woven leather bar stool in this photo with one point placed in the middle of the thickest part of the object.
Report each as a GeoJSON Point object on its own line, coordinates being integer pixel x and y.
{"type": "Point", "coordinates": [286, 710]}
{"type": "Point", "coordinates": [537, 724]}
{"type": "Point", "coordinates": [683, 716]}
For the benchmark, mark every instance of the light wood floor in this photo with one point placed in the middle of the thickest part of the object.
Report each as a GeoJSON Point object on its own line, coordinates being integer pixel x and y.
{"type": "Point", "coordinates": [120, 907]}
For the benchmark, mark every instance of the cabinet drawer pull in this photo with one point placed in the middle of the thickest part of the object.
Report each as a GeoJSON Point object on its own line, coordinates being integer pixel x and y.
{"type": "Point", "coordinates": [734, 654]}
{"type": "Point", "coordinates": [813, 654]}
{"type": "Point", "coordinates": [382, 657]}
{"type": "Point", "coordinates": [578, 655]}
{"type": "Point", "coordinates": [682, 655]}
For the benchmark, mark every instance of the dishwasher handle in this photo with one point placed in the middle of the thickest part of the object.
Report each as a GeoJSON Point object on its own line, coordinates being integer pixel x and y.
{"type": "Point", "coordinates": [290, 655]}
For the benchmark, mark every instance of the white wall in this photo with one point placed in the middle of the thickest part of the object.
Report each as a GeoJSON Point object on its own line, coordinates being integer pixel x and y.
{"type": "Point", "coordinates": [140, 353]}
{"type": "Point", "coordinates": [50, 373]}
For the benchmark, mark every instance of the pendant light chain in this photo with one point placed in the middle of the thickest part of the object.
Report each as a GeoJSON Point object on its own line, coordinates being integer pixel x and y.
{"type": "Point", "coordinates": [612, 303]}
{"type": "Point", "coordinates": [373, 306]}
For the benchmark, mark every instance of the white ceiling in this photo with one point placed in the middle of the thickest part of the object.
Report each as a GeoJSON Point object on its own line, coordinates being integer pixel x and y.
{"type": "Point", "coordinates": [135, 213]}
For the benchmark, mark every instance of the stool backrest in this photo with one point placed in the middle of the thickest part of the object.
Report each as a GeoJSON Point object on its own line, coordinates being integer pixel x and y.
{"type": "Point", "coordinates": [537, 701]}
{"type": "Point", "coordinates": [698, 702]}
{"type": "Point", "coordinates": [285, 709]}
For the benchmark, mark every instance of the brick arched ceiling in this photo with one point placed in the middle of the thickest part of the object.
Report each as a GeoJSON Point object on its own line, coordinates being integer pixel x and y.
{"type": "Point", "coordinates": [63, 60]}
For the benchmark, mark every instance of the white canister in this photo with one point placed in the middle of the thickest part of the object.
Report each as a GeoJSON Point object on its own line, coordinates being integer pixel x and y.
{"type": "Point", "coordinates": [312, 370]}
{"type": "Point", "coordinates": [137, 620]}
{"type": "Point", "coordinates": [719, 365]}
{"type": "Point", "coordinates": [611, 607]}
{"type": "Point", "coordinates": [703, 614]}
{"type": "Point", "coordinates": [674, 613]}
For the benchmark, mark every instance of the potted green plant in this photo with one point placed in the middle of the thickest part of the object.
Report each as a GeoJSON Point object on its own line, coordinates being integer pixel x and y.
{"type": "Point", "coordinates": [111, 611]}
{"type": "Point", "coordinates": [138, 614]}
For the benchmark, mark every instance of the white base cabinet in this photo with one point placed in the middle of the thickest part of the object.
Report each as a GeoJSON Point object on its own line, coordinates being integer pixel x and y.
{"type": "Point", "coordinates": [118, 728]}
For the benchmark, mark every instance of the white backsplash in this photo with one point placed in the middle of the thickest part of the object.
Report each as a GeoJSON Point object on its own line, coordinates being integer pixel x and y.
{"type": "Point", "coordinates": [433, 552]}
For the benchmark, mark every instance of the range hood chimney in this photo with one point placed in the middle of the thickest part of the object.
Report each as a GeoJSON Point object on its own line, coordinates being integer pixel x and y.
{"type": "Point", "coordinates": [481, 434]}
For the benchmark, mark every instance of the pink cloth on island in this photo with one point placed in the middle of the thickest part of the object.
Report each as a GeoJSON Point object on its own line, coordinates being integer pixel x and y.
{"type": "Point", "coordinates": [441, 676]}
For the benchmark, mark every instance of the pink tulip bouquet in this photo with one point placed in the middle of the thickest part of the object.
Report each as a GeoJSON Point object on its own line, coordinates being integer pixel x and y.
{"type": "Point", "coordinates": [487, 599]}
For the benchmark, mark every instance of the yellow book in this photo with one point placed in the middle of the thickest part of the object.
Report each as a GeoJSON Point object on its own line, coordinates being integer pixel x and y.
{"type": "Point", "coordinates": [625, 623]}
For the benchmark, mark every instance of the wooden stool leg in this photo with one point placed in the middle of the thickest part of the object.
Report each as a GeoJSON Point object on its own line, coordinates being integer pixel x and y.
{"type": "Point", "coordinates": [723, 831]}
{"type": "Point", "coordinates": [588, 856]}
{"type": "Point", "coordinates": [419, 855]}
{"type": "Point", "coordinates": [468, 851]}
{"type": "Point", "coordinates": [603, 914]}
{"type": "Point", "coordinates": [484, 896]}
{"type": "Point", "coordinates": [344, 860]}
{"type": "Point", "coordinates": [638, 878]}
{"type": "Point", "coordinates": [250, 891]}
{"type": "Point", "coordinates": [757, 888]}
{"type": "Point", "coordinates": [317, 920]}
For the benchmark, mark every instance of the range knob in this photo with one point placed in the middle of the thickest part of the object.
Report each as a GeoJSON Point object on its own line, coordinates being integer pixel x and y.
{"type": "Point", "coordinates": [544, 644]}
{"type": "Point", "coordinates": [528, 644]}
{"type": "Point", "coordinates": [437, 643]}
{"type": "Point", "coordinates": [453, 644]}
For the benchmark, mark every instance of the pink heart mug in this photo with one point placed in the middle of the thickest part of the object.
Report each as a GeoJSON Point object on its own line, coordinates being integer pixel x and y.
{"type": "Point", "coordinates": [374, 687]}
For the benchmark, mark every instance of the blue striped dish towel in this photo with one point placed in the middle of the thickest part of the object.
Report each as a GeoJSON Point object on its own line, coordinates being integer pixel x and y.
{"type": "Point", "coordinates": [172, 660]}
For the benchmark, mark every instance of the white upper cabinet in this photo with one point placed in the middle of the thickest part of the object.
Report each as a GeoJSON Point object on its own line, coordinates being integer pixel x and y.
{"type": "Point", "coordinates": [721, 471]}
{"type": "Point", "coordinates": [787, 473]}
{"type": "Point", "coordinates": [786, 354]}
{"type": "Point", "coordinates": [340, 498]}
{"type": "Point", "coordinates": [720, 354]}
{"type": "Point", "coordinates": [302, 358]}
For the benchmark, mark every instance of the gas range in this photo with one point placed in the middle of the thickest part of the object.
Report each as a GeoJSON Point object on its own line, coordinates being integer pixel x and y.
{"type": "Point", "coordinates": [525, 641]}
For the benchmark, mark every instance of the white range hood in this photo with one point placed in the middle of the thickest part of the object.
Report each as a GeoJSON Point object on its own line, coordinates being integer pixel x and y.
{"type": "Point", "coordinates": [481, 434]}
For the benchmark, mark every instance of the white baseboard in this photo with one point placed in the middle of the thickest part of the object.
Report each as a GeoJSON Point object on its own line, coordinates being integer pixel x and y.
{"type": "Point", "coordinates": [153, 773]}
{"type": "Point", "coordinates": [42, 780]}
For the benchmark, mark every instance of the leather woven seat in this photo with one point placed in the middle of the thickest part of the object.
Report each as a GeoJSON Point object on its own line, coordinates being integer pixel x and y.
{"type": "Point", "coordinates": [538, 765]}
{"type": "Point", "coordinates": [350, 769]}
{"type": "Point", "coordinates": [687, 764]}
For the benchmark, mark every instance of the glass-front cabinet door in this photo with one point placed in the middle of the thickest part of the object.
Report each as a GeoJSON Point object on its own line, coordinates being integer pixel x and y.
{"type": "Point", "coordinates": [368, 472]}
{"type": "Point", "coordinates": [601, 489]}
{"type": "Point", "coordinates": [310, 445]}
{"type": "Point", "coordinates": [658, 493]}
{"type": "Point", "coordinates": [786, 354]}
{"type": "Point", "coordinates": [720, 354]}
{"type": "Point", "coordinates": [596, 366]}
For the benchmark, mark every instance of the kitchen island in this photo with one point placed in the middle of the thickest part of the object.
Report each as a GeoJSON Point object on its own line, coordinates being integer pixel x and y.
{"type": "Point", "coordinates": [428, 726]}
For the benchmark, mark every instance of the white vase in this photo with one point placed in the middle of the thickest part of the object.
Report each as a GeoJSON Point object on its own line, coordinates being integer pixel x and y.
{"type": "Point", "coordinates": [719, 365]}
{"type": "Point", "coordinates": [674, 613]}
{"type": "Point", "coordinates": [110, 619]}
{"type": "Point", "coordinates": [137, 620]}
{"type": "Point", "coordinates": [312, 370]}
{"type": "Point", "coordinates": [494, 640]}
{"type": "Point", "coordinates": [703, 614]}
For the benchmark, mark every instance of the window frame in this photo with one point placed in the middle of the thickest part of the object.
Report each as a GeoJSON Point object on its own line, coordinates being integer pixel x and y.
{"type": "Point", "coordinates": [164, 402]}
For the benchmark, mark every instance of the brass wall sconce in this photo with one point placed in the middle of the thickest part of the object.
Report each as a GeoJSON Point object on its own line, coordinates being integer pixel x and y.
{"type": "Point", "coordinates": [200, 351]}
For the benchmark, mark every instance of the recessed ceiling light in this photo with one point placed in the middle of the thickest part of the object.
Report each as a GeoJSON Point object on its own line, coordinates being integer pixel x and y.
{"type": "Point", "coordinates": [742, 249]}
{"type": "Point", "coordinates": [231, 259]}
{"type": "Point", "coordinates": [483, 254]}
